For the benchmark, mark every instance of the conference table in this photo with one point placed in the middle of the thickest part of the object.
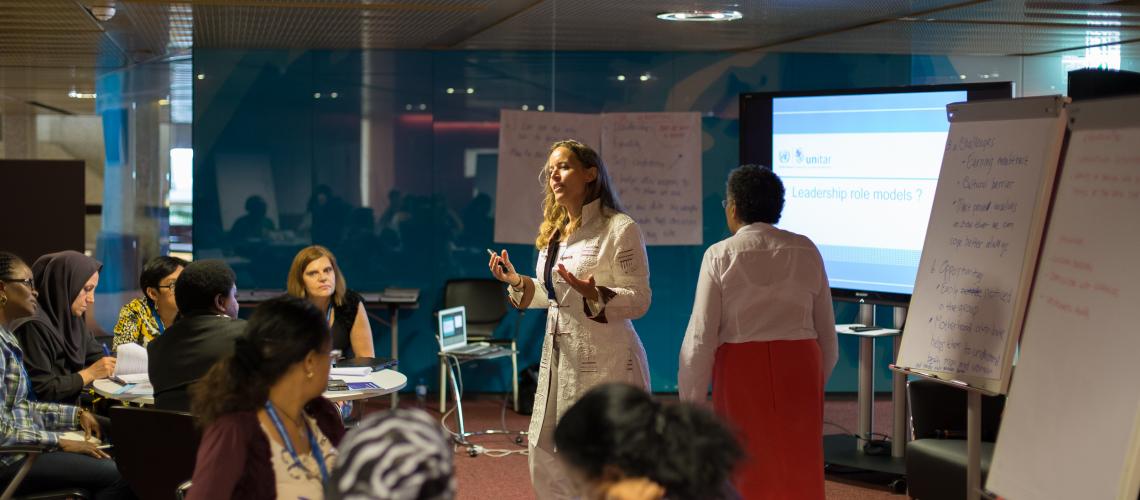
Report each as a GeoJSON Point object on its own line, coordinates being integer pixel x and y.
{"type": "Point", "coordinates": [388, 381]}
{"type": "Point", "coordinates": [392, 299]}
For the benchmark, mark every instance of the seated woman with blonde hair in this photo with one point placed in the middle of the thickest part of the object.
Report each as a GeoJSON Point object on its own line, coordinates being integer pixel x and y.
{"type": "Point", "coordinates": [316, 277]}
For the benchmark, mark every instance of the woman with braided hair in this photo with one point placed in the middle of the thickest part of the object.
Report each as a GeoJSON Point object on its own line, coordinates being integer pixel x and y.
{"type": "Point", "coordinates": [268, 432]}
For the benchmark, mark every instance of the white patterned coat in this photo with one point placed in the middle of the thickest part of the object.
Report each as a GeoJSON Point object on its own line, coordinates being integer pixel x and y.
{"type": "Point", "coordinates": [592, 349]}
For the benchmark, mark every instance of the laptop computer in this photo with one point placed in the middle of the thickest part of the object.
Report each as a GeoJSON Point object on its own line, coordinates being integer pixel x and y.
{"type": "Point", "coordinates": [453, 335]}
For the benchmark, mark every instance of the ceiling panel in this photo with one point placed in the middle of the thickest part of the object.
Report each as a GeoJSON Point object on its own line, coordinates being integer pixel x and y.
{"type": "Point", "coordinates": [634, 26]}
{"type": "Point", "coordinates": [48, 47]}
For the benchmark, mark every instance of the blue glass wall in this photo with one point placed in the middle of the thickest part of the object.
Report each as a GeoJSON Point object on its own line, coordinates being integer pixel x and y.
{"type": "Point", "coordinates": [369, 153]}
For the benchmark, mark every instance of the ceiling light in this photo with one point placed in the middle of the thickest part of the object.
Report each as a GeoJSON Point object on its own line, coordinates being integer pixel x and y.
{"type": "Point", "coordinates": [316, 95]}
{"type": "Point", "coordinates": [470, 90]}
{"type": "Point", "coordinates": [201, 76]}
{"type": "Point", "coordinates": [525, 107]}
{"type": "Point", "coordinates": [80, 95]}
{"type": "Point", "coordinates": [407, 107]}
{"type": "Point", "coordinates": [423, 106]}
{"type": "Point", "coordinates": [334, 95]}
{"type": "Point", "coordinates": [701, 16]}
{"type": "Point", "coordinates": [963, 77]}
{"type": "Point", "coordinates": [621, 78]}
{"type": "Point", "coordinates": [103, 12]}
{"type": "Point", "coordinates": [644, 78]}
{"type": "Point", "coordinates": [541, 107]}
{"type": "Point", "coordinates": [164, 102]}
{"type": "Point", "coordinates": [450, 90]}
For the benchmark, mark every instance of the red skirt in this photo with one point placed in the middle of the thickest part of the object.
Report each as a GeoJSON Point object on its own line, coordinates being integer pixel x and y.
{"type": "Point", "coordinates": [772, 394]}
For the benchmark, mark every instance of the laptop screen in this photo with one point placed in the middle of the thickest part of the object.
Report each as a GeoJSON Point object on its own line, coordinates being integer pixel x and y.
{"type": "Point", "coordinates": [452, 328]}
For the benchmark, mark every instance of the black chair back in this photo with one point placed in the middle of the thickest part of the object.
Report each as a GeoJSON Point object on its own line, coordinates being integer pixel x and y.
{"type": "Point", "coordinates": [485, 299]}
{"type": "Point", "coordinates": [939, 411]}
{"type": "Point", "coordinates": [154, 449]}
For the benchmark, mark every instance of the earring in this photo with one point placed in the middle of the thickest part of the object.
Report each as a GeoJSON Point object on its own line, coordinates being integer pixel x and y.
{"type": "Point", "coordinates": [3, 300]}
{"type": "Point", "coordinates": [309, 374]}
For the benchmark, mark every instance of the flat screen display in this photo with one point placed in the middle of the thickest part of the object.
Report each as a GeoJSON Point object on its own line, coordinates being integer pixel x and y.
{"type": "Point", "coordinates": [859, 168]}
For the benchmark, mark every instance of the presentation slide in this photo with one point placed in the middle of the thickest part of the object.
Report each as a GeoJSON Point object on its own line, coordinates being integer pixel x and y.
{"type": "Point", "coordinates": [860, 172]}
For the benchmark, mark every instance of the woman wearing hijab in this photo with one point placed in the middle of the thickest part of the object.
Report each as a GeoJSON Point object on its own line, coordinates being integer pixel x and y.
{"type": "Point", "coordinates": [60, 353]}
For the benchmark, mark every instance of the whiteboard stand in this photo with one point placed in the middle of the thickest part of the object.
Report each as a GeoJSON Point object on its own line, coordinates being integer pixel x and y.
{"type": "Point", "coordinates": [973, 427]}
{"type": "Point", "coordinates": [973, 445]}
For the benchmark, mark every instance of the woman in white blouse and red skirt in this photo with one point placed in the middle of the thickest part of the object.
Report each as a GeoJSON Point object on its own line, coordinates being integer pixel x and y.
{"type": "Point", "coordinates": [762, 332]}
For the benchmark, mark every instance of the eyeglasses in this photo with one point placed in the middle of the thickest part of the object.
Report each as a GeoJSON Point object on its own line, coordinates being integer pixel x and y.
{"type": "Point", "coordinates": [26, 282]}
{"type": "Point", "coordinates": [170, 286]}
{"type": "Point", "coordinates": [724, 203]}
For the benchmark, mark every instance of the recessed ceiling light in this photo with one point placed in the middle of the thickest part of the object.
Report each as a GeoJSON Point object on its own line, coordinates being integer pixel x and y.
{"type": "Point", "coordinates": [701, 16]}
{"type": "Point", "coordinates": [470, 90]}
{"type": "Point", "coordinates": [80, 95]}
{"type": "Point", "coordinates": [644, 78]}
{"type": "Point", "coordinates": [541, 107]}
{"type": "Point", "coordinates": [621, 78]}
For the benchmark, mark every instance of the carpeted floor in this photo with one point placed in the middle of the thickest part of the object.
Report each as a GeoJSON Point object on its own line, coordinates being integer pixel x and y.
{"type": "Point", "coordinates": [507, 478]}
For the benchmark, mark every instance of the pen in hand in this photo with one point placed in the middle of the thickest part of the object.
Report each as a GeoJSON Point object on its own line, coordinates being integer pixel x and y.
{"type": "Point", "coordinates": [502, 266]}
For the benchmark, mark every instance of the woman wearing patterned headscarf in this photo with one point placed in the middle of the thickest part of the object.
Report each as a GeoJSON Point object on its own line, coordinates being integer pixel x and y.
{"type": "Point", "coordinates": [60, 353]}
{"type": "Point", "coordinates": [402, 454]}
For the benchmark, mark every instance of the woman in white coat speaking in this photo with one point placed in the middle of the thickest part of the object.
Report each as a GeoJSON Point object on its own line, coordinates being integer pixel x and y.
{"type": "Point", "coordinates": [593, 278]}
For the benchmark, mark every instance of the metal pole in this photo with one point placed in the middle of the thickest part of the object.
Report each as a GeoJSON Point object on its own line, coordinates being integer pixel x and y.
{"type": "Point", "coordinates": [866, 377]}
{"type": "Point", "coordinates": [974, 446]}
{"type": "Point", "coordinates": [898, 394]}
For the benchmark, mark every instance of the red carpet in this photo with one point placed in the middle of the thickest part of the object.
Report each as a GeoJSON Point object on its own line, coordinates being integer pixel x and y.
{"type": "Point", "coordinates": [507, 478]}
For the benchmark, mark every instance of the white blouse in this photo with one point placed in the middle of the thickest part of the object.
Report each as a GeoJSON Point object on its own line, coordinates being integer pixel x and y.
{"type": "Point", "coordinates": [758, 285]}
{"type": "Point", "coordinates": [293, 481]}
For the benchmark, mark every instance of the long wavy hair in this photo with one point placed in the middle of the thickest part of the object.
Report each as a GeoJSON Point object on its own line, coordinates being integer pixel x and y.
{"type": "Point", "coordinates": [555, 218]}
{"type": "Point", "coordinates": [281, 332]}
{"type": "Point", "coordinates": [295, 285]}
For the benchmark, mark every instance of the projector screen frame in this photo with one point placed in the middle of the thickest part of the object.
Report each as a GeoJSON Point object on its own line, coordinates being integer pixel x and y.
{"type": "Point", "coordinates": [756, 144]}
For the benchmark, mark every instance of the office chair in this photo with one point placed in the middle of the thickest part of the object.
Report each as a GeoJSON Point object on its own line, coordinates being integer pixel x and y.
{"type": "Point", "coordinates": [31, 453]}
{"type": "Point", "coordinates": [486, 302]}
{"type": "Point", "coordinates": [154, 449]}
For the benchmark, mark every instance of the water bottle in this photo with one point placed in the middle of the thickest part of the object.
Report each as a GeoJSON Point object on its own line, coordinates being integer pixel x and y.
{"type": "Point", "coordinates": [421, 394]}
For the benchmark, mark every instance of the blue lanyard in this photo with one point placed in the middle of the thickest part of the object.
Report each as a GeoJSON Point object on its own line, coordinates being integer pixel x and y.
{"type": "Point", "coordinates": [157, 318]}
{"type": "Point", "coordinates": [328, 312]}
{"type": "Point", "coordinates": [314, 449]}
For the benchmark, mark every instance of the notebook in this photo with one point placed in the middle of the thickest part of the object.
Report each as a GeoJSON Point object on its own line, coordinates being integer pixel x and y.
{"type": "Point", "coordinates": [453, 334]}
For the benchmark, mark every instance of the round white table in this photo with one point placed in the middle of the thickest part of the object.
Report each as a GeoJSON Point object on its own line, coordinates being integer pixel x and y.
{"type": "Point", "coordinates": [389, 382]}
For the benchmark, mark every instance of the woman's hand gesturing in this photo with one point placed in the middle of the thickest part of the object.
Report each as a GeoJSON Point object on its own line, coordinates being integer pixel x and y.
{"type": "Point", "coordinates": [503, 270]}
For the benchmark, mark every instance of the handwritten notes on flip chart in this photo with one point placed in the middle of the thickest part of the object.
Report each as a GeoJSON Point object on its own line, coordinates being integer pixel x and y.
{"type": "Point", "coordinates": [524, 145]}
{"type": "Point", "coordinates": [653, 160]}
{"type": "Point", "coordinates": [1073, 405]}
{"type": "Point", "coordinates": [981, 245]}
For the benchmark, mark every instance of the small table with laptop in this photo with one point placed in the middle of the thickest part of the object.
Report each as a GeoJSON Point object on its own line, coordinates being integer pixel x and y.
{"type": "Point", "coordinates": [454, 350]}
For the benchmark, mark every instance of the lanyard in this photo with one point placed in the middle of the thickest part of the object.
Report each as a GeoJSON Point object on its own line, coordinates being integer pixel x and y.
{"type": "Point", "coordinates": [313, 448]}
{"type": "Point", "coordinates": [157, 318]}
{"type": "Point", "coordinates": [328, 312]}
